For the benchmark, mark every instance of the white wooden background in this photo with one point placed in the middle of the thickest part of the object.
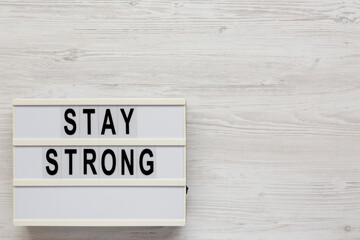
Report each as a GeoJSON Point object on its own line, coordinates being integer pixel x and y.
{"type": "Point", "coordinates": [273, 96]}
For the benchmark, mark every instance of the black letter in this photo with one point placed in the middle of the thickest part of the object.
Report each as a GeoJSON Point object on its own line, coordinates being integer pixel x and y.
{"type": "Point", "coordinates": [88, 161]}
{"type": "Point", "coordinates": [124, 159]}
{"type": "Point", "coordinates": [88, 112]}
{"type": "Point", "coordinates": [111, 171]}
{"type": "Point", "coordinates": [127, 118]}
{"type": "Point", "coordinates": [71, 121]}
{"type": "Point", "coordinates": [110, 125]}
{"type": "Point", "coordinates": [70, 152]}
{"type": "Point", "coordinates": [52, 161]}
{"type": "Point", "coordinates": [150, 164]}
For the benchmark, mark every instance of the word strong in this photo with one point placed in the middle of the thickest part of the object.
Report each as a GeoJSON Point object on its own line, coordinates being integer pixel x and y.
{"type": "Point", "coordinates": [112, 161]}
{"type": "Point", "coordinates": [106, 123]}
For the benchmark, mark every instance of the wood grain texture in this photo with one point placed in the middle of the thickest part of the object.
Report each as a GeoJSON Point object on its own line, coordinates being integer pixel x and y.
{"type": "Point", "coordinates": [273, 104]}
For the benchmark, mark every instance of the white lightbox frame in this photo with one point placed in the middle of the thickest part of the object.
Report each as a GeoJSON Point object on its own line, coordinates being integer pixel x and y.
{"type": "Point", "coordinates": [103, 142]}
